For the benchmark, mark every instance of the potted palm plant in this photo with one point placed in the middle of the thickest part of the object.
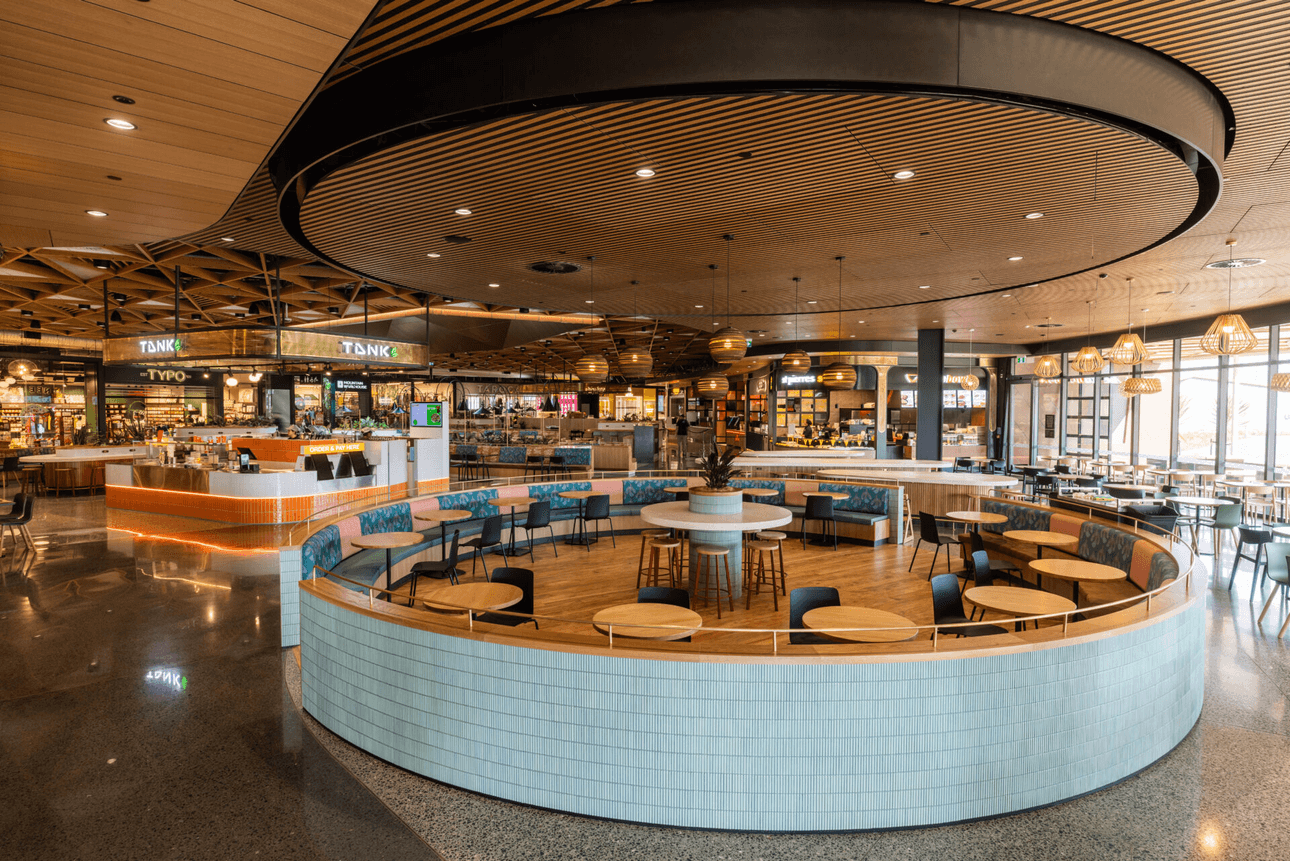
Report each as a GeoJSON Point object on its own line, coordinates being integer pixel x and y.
{"type": "Point", "coordinates": [717, 469]}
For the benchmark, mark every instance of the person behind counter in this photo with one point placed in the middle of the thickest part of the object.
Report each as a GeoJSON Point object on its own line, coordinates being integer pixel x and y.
{"type": "Point", "coordinates": [808, 430]}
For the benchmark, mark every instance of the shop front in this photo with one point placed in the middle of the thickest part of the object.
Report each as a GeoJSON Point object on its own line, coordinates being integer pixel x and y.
{"type": "Point", "coordinates": [141, 400]}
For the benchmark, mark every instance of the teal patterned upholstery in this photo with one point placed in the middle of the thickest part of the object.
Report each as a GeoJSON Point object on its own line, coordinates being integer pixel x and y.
{"type": "Point", "coordinates": [574, 455]}
{"type": "Point", "coordinates": [769, 484]}
{"type": "Point", "coordinates": [474, 501]}
{"type": "Point", "coordinates": [1163, 567]}
{"type": "Point", "coordinates": [1107, 546]}
{"type": "Point", "coordinates": [864, 498]}
{"type": "Point", "coordinates": [512, 454]}
{"type": "Point", "coordinates": [1019, 516]}
{"type": "Point", "coordinates": [551, 493]}
{"type": "Point", "coordinates": [390, 518]}
{"type": "Point", "coordinates": [322, 548]}
{"type": "Point", "coordinates": [647, 491]}
{"type": "Point", "coordinates": [466, 448]}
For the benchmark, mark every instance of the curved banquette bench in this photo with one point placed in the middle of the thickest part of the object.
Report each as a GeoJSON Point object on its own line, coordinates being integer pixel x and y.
{"type": "Point", "coordinates": [704, 736]}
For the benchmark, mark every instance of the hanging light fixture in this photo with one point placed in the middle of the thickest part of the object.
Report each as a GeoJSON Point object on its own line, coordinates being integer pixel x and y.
{"type": "Point", "coordinates": [1129, 349]}
{"type": "Point", "coordinates": [637, 362]}
{"type": "Point", "coordinates": [839, 376]}
{"type": "Point", "coordinates": [1047, 366]}
{"type": "Point", "coordinates": [1089, 359]}
{"type": "Point", "coordinates": [1280, 383]}
{"type": "Point", "coordinates": [798, 361]}
{"type": "Point", "coordinates": [969, 380]}
{"type": "Point", "coordinates": [713, 386]}
{"type": "Point", "coordinates": [1229, 334]}
{"type": "Point", "coordinates": [729, 344]}
{"type": "Point", "coordinates": [592, 368]}
{"type": "Point", "coordinates": [1133, 386]}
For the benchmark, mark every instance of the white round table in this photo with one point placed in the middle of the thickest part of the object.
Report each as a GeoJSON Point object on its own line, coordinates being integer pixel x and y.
{"type": "Point", "coordinates": [725, 530]}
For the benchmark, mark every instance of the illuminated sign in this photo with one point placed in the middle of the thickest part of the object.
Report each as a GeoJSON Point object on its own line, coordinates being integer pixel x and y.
{"type": "Point", "coordinates": [426, 415]}
{"type": "Point", "coordinates": [370, 349]}
{"type": "Point", "coordinates": [168, 678]}
{"type": "Point", "coordinates": [331, 447]}
{"type": "Point", "coordinates": [790, 380]}
{"type": "Point", "coordinates": [351, 385]}
{"type": "Point", "coordinates": [156, 375]}
{"type": "Point", "coordinates": [160, 345]}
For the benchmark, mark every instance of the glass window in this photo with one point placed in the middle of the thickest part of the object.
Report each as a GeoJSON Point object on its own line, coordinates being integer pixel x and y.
{"type": "Point", "coordinates": [1080, 392]}
{"type": "Point", "coordinates": [1046, 445]}
{"type": "Point", "coordinates": [1116, 418]}
{"type": "Point", "coordinates": [1247, 400]}
{"type": "Point", "coordinates": [1020, 410]}
{"type": "Point", "coordinates": [1197, 406]}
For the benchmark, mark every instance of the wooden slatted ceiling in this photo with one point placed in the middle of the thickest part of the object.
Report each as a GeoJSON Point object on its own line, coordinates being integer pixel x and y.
{"type": "Point", "coordinates": [819, 185]}
{"type": "Point", "coordinates": [214, 85]}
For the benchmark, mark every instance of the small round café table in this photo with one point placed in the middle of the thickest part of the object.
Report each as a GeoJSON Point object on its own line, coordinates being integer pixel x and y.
{"type": "Point", "coordinates": [473, 597]}
{"type": "Point", "coordinates": [511, 502]}
{"type": "Point", "coordinates": [755, 493]}
{"type": "Point", "coordinates": [444, 516]}
{"type": "Point", "coordinates": [637, 621]}
{"type": "Point", "coordinates": [976, 518]}
{"type": "Point", "coordinates": [1015, 601]}
{"type": "Point", "coordinates": [1041, 539]}
{"type": "Point", "coordinates": [579, 538]}
{"type": "Point", "coordinates": [387, 541]}
{"type": "Point", "coordinates": [1077, 571]}
{"type": "Point", "coordinates": [867, 625]}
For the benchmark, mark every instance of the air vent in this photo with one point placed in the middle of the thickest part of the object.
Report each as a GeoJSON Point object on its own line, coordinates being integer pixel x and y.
{"type": "Point", "coordinates": [547, 267]}
{"type": "Point", "coordinates": [1238, 263]}
{"type": "Point", "coordinates": [456, 239]}
{"type": "Point", "coordinates": [1049, 325]}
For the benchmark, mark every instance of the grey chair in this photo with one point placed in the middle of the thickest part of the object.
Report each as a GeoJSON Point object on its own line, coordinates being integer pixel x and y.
{"type": "Point", "coordinates": [1278, 570]}
{"type": "Point", "coordinates": [1258, 539]}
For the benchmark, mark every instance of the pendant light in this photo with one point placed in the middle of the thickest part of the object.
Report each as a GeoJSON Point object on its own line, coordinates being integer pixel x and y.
{"type": "Point", "coordinates": [729, 344]}
{"type": "Point", "coordinates": [839, 376]}
{"type": "Point", "coordinates": [1229, 334]}
{"type": "Point", "coordinates": [713, 386]}
{"type": "Point", "coordinates": [969, 380]}
{"type": "Point", "coordinates": [1280, 383]}
{"type": "Point", "coordinates": [1133, 386]}
{"type": "Point", "coordinates": [637, 362]}
{"type": "Point", "coordinates": [1089, 359]}
{"type": "Point", "coordinates": [1047, 366]}
{"type": "Point", "coordinates": [592, 368]}
{"type": "Point", "coordinates": [1129, 349]}
{"type": "Point", "coordinates": [797, 361]}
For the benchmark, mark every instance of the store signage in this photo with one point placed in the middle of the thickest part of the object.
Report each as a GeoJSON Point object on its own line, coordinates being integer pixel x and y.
{"type": "Point", "coordinates": [330, 447]}
{"type": "Point", "coordinates": [948, 379]}
{"type": "Point", "coordinates": [369, 349]}
{"type": "Point", "coordinates": [160, 345]}
{"type": "Point", "coordinates": [790, 381]}
{"type": "Point", "coordinates": [158, 375]}
{"type": "Point", "coordinates": [351, 385]}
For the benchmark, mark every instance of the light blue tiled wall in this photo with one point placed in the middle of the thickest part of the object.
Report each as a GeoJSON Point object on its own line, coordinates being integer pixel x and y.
{"type": "Point", "coordinates": [774, 746]}
{"type": "Point", "coordinates": [289, 576]}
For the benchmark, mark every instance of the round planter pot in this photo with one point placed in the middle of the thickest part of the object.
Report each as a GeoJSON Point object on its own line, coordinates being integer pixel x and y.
{"type": "Point", "coordinates": [727, 500]}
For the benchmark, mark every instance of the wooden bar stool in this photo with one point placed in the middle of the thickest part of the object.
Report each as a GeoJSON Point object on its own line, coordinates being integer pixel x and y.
{"type": "Point", "coordinates": [779, 538]}
{"type": "Point", "coordinates": [654, 571]}
{"type": "Point", "coordinates": [756, 575]}
{"type": "Point", "coordinates": [708, 575]}
{"type": "Point", "coordinates": [648, 535]}
{"type": "Point", "coordinates": [98, 478]}
{"type": "Point", "coordinates": [64, 476]}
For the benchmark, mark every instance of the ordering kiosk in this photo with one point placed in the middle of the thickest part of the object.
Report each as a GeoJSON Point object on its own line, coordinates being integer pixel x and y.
{"type": "Point", "coordinates": [427, 446]}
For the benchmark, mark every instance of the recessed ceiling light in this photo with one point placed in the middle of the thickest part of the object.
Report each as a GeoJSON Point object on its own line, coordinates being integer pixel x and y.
{"type": "Point", "coordinates": [97, 213]}
{"type": "Point", "coordinates": [125, 100]}
{"type": "Point", "coordinates": [226, 239]}
{"type": "Point", "coordinates": [462, 211]}
{"type": "Point", "coordinates": [590, 301]}
{"type": "Point", "coordinates": [644, 173]}
{"type": "Point", "coordinates": [1015, 259]}
{"type": "Point", "coordinates": [810, 301]}
{"type": "Point", "coordinates": [859, 321]}
{"type": "Point", "coordinates": [936, 321]}
{"type": "Point", "coordinates": [924, 286]}
{"type": "Point", "coordinates": [494, 285]}
{"type": "Point", "coordinates": [124, 125]}
{"type": "Point", "coordinates": [1033, 215]}
{"type": "Point", "coordinates": [903, 174]}
{"type": "Point", "coordinates": [1164, 293]}
{"type": "Point", "coordinates": [434, 254]}
{"type": "Point", "coordinates": [1146, 309]}
{"type": "Point", "coordinates": [698, 306]}
{"type": "Point", "coordinates": [1006, 296]}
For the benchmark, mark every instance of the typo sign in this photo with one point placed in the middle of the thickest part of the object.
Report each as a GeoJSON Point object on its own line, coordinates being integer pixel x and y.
{"type": "Point", "coordinates": [159, 375]}
{"type": "Point", "coordinates": [160, 345]}
{"type": "Point", "coordinates": [369, 349]}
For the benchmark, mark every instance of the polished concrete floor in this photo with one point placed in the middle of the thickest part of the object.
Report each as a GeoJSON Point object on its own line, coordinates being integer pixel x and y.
{"type": "Point", "coordinates": [146, 711]}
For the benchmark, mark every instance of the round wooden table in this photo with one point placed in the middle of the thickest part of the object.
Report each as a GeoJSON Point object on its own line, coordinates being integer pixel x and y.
{"type": "Point", "coordinates": [976, 518]}
{"type": "Point", "coordinates": [1077, 571]}
{"type": "Point", "coordinates": [867, 621]}
{"type": "Point", "coordinates": [1041, 538]}
{"type": "Point", "coordinates": [675, 490]}
{"type": "Point", "coordinates": [633, 620]}
{"type": "Point", "coordinates": [1018, 602]}
{"type": "Point", "coordinates": [473, 597]}
{"type": "Point", "coordinates": [580, 538]}
{"type": "Point", "coordinates": [444, 516]}
{"type": "Point", "coordinates": [512, 502]}
{"type": "Point", "coordinates": [758, 492]}
{"type": "Point", "coordinates": [832, 494]}
{"type": "Point", "coordinates": [387, 541]}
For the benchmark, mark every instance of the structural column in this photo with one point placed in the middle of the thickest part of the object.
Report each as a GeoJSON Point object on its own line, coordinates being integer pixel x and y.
{"type": "Point", "coordinates": [931, 369]}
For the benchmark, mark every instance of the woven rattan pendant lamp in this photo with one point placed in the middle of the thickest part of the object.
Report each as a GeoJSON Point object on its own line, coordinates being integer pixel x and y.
{"type": "Point", "coordinates": [1047, 366]}
{"type": "Point", "coordinates": [797, 361]}
{"type": "Point", "coordinates": [1280, 383]}
{"type": "Point", "coordinates": [1129, 349]}
{"type": "Point", "coordinates": [969, 380]}
{"type": "Point", "coordinates": [1133, 386]}
{"type": "Point", "coordinates": [839, 376]}
{"type": "Point", "coordinates": [592, 368]}
{"type": "Point", "coordinates": [1089, 358]}
{"type": "Point", "coordinates": [635, 363]}
{"type": "Point", "coordinates": [729, 344]}
{"type": "Point", "coordinates": [1229, 334]}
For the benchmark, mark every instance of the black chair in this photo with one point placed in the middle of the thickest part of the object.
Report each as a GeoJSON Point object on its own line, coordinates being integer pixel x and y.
{"type": "Point", "coordinates": [20, 520]}
{"type": "Point", "coordinates": [555, 466]}
{"type": "Point", "coordinates": [998, 569]}
{"type": "Point", "coordinates": [490, 535]}
{"type": "Point", "coordinates": [1063, 469]}
{"type": "Point", "coordinates": [821, 508]}
{"type": "Point", "coordinates": [539, 517]}
{"type": "Point", "coordinates": [12, 468]}
{"type": "Point", "coordinates": [1155, 518]}
{"type": "Point", "coordinates": [1046, 483]}
{"type": "Point", "coordinates": [597, 509]}
{"type": "Point", "coordinates": [804, 599]}
{"type": "Point", "coordinates": [1258, 538]}
{"type": "Point", "coordinates": [929, 532]}
{"type": "Point", "coordinates": [444, 568]}
{"type": "Point", "coordinates": [681, 496]}
{"type": "Point", "coordinates": [534, 464]}
{"type": "Point", "coordinates": [997, 467]}
{"type": "Point", "coordinates": [665, 595]}
{"type": "Point", "coordinates": [947, 609]}
{"type": "Point", "coordinates": [962, 464]}
{"type": "Point", "coordinates": [1124, 492]}
{"type": "Point", "coordinates": [523, 578]}
{"type": "Point", "coordinates": [1088, 482]}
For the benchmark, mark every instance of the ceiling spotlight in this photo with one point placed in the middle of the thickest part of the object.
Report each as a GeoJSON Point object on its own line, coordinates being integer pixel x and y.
{"type": "Point", "coordinates": [644, 173]}
{"type": "Point", "coordinates": [1033, 215]}
{"type": "Point", "coordinates": [924, 286]}
{"type": "Point", "coordinates": [810, 301]}
{"type": "Point", "coordinates": [434, 254]}
{"type": "Point", "coordinates": [125, 100]}
{"type": "Point", "coordinates": [494, 285]}
{"type": "Point", "coordinates": [255, 378]}
{"type": "Point", "coordinates": [230, 381]}
{"type": "Point", "coordinates": [462, 211]}
{"type": "Point", "coordinates": [698, 306]}
{"type": "Point", "coordinates": [903, 174]}
{"type": "Point", "coordinates": [123, 125]}
{"type": "Point", "coordinates": [590, 301]}
{"type": "Point", "coordinates": [1006, 296]}
{"type": "Point", "coordinates": [859, 321]}
{"type": "Point", "coordinates": [1014, 259]}
{"type": "Point", "coordinates": [226, 239]}
{"type": "Point", "coordinates": [97, 213]}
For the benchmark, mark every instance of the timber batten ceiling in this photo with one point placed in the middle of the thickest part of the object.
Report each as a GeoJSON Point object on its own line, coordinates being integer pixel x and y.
{"type": "Point", "coordinates": [1234, 43]}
